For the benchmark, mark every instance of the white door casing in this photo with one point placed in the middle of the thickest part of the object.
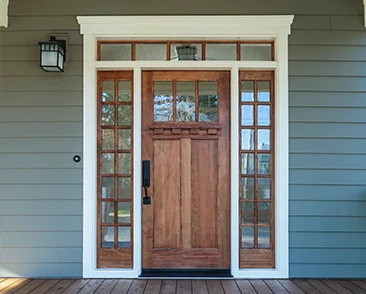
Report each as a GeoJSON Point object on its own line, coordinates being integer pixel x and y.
{"type": "Point", "coordinates": [275, 28]}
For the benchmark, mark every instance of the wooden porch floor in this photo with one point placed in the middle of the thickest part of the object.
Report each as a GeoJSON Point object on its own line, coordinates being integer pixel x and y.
{"type": "Point", "coordinates": [121, 286]}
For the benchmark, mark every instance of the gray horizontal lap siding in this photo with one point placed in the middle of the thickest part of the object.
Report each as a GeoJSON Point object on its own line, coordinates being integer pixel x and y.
{"type": "Point", "coordinates": [41, 129]}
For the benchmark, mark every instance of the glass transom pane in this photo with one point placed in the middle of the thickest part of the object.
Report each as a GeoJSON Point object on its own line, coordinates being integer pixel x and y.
{"type": "Point", "coordinates": [220, 51]}
{"type": "Point", "coordinates": [150, 52]}
{"type": "Point", "coordinates": [258, 52]}
{"type": "Point", "coordinates": [115, 51]}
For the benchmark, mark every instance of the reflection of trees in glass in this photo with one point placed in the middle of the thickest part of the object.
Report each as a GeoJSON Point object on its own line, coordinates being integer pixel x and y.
{"type": "Point", "coordinates": [107, 115]}
{"type": "Point", "coordinates": [207, 107]}
{"type": "Point", "coordinates": [124, 112]}
{"type": "Point", "coordinates": [186, 108]}
{"type": "Point", "coordinates": [163, 108]}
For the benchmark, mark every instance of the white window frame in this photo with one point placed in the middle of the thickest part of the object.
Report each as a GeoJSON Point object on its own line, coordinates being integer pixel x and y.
{"type": "Point", "coordinates": [275, 28]}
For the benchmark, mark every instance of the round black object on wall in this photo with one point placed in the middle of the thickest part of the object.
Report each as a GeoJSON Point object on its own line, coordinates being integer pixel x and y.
{"type": "Point", "coordinates": [76, 158]}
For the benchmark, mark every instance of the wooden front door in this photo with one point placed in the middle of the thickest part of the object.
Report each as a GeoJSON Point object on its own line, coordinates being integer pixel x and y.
{"type": "Point", "coordinates": [185, 125]}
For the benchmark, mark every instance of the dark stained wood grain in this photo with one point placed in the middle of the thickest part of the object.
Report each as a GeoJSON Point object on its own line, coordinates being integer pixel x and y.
{"type": "Point", "coordinates": [47, 285]}
{"type": "Point", "coordinates": [276, 287]}
{"type": "Point", "coordinates": [351, 287]}
{"type": "Point", "coordinates": [13, 287]}
{"type": "Point", "coordinates": [61, 286]}
{"type": "Point", "coordinates": [107, 286]}
{"type": "Point", "coordinates": [261, 287]}
{"type": "Point", "coordinates": [30, 286]}
{"type": "Point", "coordinates": [214, 287]}
{"type": "Point", "coordinates": [153, 286]}
{"type": "Point", "coordinates": [230, 286]}
{"type": "Point", "coordinates": [336, 287]}
{"type": "Point", "coordinates": [76, 286]}
{"type": "Point", "coordinates": [7, 282]}
{"type": "Point", "coordinates": [307, 287]}
{"type": "Point", "coordinates": [291, 287]}
{"type": "Point", "coordinates": [122, 286]}
{"type": "Point", "coordinates": [184, 286]}
{"type": "Point", "coordinates": [169, 287]}
{"type": "Point", "coordinates": [91, 286]}
{"type": "Point", "coordinates": [138, 287]}
{"type": "Point", "coordinates": [320, 286]}
{"type": "Point", "coordinates": [199, 287]}
{"type": "Point", "coordinates": [245, 287]}
{"type": "Point", "coordinates": [359, 283]}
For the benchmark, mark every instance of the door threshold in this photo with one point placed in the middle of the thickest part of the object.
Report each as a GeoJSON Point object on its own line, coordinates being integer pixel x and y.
{"type": "Point", "coordinates": [185, 273]}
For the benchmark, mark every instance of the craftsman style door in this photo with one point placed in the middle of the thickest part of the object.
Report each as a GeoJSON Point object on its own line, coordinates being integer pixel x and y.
{"type": "Point", "coordinates": [185, 126]}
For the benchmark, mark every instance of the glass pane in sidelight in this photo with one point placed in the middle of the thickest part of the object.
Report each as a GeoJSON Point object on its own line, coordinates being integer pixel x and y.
{"type": "Point", "coordinates": [115, 51]}
{"type": "Point", "coordinates": [247, 237]}
{"type": "Point", "coordinates": [264, 117]}
{"type": "Point", "coordinates": [185, 101]}
{"type": "Point", "coordinates": [257, 52]}
{"type": "Point", "coordinates": [124, 212]}
{"type": "Point", "coordinates": [264, 94]}
{"type": "Point", "coordinates": [124, 237]}
{"type": "Point", "coordinates": [108, 115]}
{"type": "Point", "coordinates": [124, 163]}
{"type": "Point", "coordinates": [107, 187]}
{"type": "Point", "coordinates": [264, 237]}
{"type": "Point", "coordinates": [107, 212]}
{"type": "Point", "coordinates": [264, 163]}
{"type": "Point", "coordinates": [124, 139]}
{"type": "Point", "coordinates": [247, 163]}
{"type": "Point", "coordinates": [247, 139]}
{"type": "Point", "coordinates": [124, 115]}
{"type": "Point", "coordinates": [220, 51]}
{"type": "Point", "coordinates": [264, 141]}
{"type": "Point", "coordinates": [264, 213]}
{"type": "Point", "coordinates": [174, 52]}
{"type": "Point", "coordinates": [163, 101]}
{"type": "Point", "coordinates": [124, 188]}
{"type": "Point", "coordinates": [247, 91]}
{"type": "Point", "coordinates": [150, 52]}
{"type": "Point", "coordinates": [107, 163]}
{"type": "Point", "coordinates": [107, 139]}
{"type": "Point", "coordinates": [247, 188]}
{"type": "Point", "coordinates": [124, 91]}
{"type": "Point", "coordinates": [107, 237]}
{"type": "Point", "coordinates": [208, 102]}
{"type": "Point", "coordinates": [247, 212]}
{"type": "Point", "coordinates": [264, 188]}
{"type": "Point", "coordinates": [247, 115]}
{"type": "Point", "coordinates": [108, 91]}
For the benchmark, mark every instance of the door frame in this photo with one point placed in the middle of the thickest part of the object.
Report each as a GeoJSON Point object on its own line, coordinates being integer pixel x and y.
{"type": "Point", "coordinates": [276, 28]}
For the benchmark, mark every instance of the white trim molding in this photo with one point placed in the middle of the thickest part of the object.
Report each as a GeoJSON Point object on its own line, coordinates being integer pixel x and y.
{"type": "Point", "coordinates": [276, 28]}
{"type": "Point", "coordinates": [4, 13]}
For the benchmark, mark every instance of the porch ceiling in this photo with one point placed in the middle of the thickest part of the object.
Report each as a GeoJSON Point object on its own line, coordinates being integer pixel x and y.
{"type": "Point", "coordinates": [4, 13]}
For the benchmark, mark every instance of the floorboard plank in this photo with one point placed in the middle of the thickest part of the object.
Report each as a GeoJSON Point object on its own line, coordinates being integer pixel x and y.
{"type": "Point", "coordinates": [30, 287]}
{"type": "Point", "coordinates": [184, 286]}
{"type": "Point", "coordinates": [76, 286]}
{"type": "Point", "coordinates": [291, 287]}
{"type": "Point", "coordinates": [336, 287]}
{"type": "Point", "coordinates": [153, 286]}
{"type": "Point", "coordinates": [137, 287]}
{"type": "Point", "coordinates": [214, 287]}
{"type": "Point", "coordinates": [230, 286]}
{"type": "Point", "coordinates": [91, 286]}
{"type": "Point", "coordinates": [351, 287]}
{"type": "Point", "coordinates": [169, 287]}
{"type": "Point", "coordinates": [45, 286]}
{"type": "Point", "coordinates": [306, 286]}
{"type": "Point", "coordinates": [276, 287]}
{"type": "Point", "coordinates": [15, 286]}
{"type": "Point", "coordinates": [107, 286]}
{"type": "Point", "coordinates": [7, 282]}
{"type": "Point", "coordinates": [245, 287]}
{"type": "Point", "coordinates": [122, 286]}
{"type": "Point", "coordinates": [261, 287]}
{"type": "Point", "coordinates": [2, 279]}
{"type": "Point", "coordinates": [60, 286]}
{"type": "Point", "coordinates": [321, 287]}
{"type": "Point", "coordinates": [359, 283]}
{"type": "Point", "coordinates": [199, 287]}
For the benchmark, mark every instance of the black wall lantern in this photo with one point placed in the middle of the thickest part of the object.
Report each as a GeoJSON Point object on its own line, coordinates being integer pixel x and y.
{"type": "Point", "coordinates": [186, 52]}
{"type": "Point", "coordinates": [53, 54]}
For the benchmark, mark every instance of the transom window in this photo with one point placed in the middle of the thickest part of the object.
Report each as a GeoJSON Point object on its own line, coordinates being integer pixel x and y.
{"type": "Point", "coordinates": [186, 50]}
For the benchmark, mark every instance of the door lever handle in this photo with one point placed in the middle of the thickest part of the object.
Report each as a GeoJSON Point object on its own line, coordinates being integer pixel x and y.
{"type": "Point", "coordinates": [146, 180]}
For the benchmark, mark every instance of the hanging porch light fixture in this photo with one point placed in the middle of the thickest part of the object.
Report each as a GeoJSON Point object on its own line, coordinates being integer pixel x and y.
{"type": "Point", "coordinates": [186, 52]}
{"type": "Point", "coordinates": [53, 54]}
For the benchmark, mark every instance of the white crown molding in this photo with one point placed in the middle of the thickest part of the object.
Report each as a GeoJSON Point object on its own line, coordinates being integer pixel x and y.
{"type": "Point", "coordinates": [183, 26]}
{"type": "Point", "coordinates": [4, 13]}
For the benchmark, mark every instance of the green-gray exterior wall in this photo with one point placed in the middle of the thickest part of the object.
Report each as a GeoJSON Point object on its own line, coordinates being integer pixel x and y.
{"type": "Point", "coordinates": [41, 130]}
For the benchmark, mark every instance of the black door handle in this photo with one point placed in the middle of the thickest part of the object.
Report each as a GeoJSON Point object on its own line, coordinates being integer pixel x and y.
{"type": "Point", "coordinates": [146, 180]}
